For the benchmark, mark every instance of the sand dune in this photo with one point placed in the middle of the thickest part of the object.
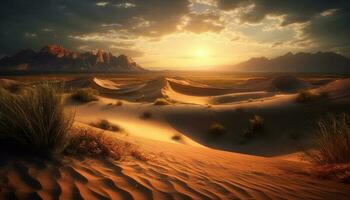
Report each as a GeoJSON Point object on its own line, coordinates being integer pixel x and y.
{"type": "Point", "coordinates": [194, 166]}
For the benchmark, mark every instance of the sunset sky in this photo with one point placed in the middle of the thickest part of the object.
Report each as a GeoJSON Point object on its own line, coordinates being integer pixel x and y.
{"type": "Point", "coordinates": [178, 34]}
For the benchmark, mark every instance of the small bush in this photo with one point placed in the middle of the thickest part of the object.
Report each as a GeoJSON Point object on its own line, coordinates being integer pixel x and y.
{"type": "Point", "coordinates": [146, 115]}
{"type": "Point", "coordinates": [161, 102]}
{"type": "Point", "coordinates": [331, 144]}
{"type": "Point", "coordinates": [106, 125]}
{"type": "Point", "coordinates": [34, 121]}
{"type": "Point", "coordinates": [118, 103]}
{"type": "Point", "coordinates": [14, 88]}
{"type": "Point", "coordinates": [306, 96]}
{"type": "Point", "coordinates": [216, 129]}
{"type": "Point", "coordinates": [86, 142]}
{"type": "Point", "coordinates": [84, 95]}
{"type": "Point", "coordinates": [256, 127]}
{"type": "Point", "coordinates": [177, 137]}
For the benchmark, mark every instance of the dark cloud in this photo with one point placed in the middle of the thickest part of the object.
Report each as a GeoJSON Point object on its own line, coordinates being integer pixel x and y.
{"type": "Point", "coordinates": [64, 18]}
{"type": "Point", "coordinates": [326, 23]}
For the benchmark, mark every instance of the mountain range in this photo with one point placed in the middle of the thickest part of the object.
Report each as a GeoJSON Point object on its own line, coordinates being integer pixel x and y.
{"type": "Point", "coordinates": [57, 58]}
{"type": "Point", "coordinates": [320, 62]}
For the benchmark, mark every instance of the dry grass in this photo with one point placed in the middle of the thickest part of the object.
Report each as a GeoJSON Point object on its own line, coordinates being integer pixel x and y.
{"type": "Point", "coordinates": [84, 95]}
{"type": "Point", "coordinates": [307, 96]}
{"type": "Point", "coordinates": [339, 172]}
{"type": "Point", "coordinates": [34, 121]}
{"type": "Point", "coordinates": [87, 142]}
{"type": "Point", "coordinates": [216, 129]}
{"type": "Point", "coordinates": [256, 127]}
{"type": "Point", "coordinates": [161, 102]}
{"type": "Point", "coordinates": [106, 125]}
{"type": "Point", "coordinates": [331, 145]}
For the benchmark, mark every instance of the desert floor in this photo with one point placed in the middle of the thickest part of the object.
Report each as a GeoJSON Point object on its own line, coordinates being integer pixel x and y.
{"type": "Point", "coordinates": [196, 165]}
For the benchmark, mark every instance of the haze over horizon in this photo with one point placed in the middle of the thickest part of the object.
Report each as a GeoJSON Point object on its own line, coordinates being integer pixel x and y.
{"type": "Point", "coordinates": [182, 34]}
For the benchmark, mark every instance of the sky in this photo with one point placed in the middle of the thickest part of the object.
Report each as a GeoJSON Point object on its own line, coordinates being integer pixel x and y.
{"type": "Point", "coordinates": [178, 34]}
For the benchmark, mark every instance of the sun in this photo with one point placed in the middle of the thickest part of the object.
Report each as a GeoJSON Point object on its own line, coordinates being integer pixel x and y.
{"type": "Point", "coordinates": [201, 53]}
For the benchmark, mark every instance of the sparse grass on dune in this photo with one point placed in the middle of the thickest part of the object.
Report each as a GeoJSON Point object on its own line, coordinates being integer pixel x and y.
{"type": "Point", "coordinates": [106, 125]}
{"type": "Point", "coordinates": [161, 102]}
{"type": "Point", "coordinates": [87, 142]}
{"type": "Point", "coordinates": [84, 95]}
{"type": "Point", "coordinates": [256, 128]}
{"type": "Point", "coordinates": [331, 148]}
{"type": "Point", "coordinates": [307, 96]}
{"type": "Point", "coordinates": [34, 121]}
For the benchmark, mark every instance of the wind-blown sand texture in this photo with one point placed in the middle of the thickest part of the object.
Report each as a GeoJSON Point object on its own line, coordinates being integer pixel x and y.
{"type": "Point", "coordinates": [268, 167]}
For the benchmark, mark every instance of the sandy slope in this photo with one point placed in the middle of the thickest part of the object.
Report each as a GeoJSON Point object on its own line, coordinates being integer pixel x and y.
{"type": "Point", "coordinates": [185, 169]}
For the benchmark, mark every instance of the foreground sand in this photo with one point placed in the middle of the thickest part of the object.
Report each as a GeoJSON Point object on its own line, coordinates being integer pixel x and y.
{"type": "Point", "coordinates": [190, 168]}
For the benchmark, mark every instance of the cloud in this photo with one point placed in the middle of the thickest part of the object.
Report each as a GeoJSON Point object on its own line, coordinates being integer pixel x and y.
{"type": "Point", "coordinates": [205, 22]}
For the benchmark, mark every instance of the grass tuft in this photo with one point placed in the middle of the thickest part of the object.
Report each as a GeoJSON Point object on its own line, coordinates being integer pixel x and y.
{"type": "Point", "coordinates": [106, 125]}
{"type": "Point", "coordinates": [34, 121]}
{"type": "Point", "coordinates": [177, 137]}
{"type": "Point", "coordinates": [146, 115]}
{"type": "Point", "coordinates": [331, 143]}
{"type": "Point", "coordinates": [118, 103]}
{"type": "Point", "coordinates": [84, 95]}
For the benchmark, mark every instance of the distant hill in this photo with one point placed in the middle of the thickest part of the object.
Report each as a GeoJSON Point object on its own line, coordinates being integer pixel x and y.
{"type": "Point", "coordinates": [321, 62]}
{"type": "Point", "coordinates": [57, 58]}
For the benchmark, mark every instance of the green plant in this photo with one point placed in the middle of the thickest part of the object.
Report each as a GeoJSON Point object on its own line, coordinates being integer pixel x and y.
{"type": "Point", "coordinates": [106, 125]}
{"type": "Point", "coordinates": [331, 143]}
{"type": "Point", "coordinates": [216, 129]}
{"type": "Point", "coordinates": [161, 102]}
{"type": "Point", "coordinates": [34, 121]}
{"type": "Point", "coordinates": [84, 95]}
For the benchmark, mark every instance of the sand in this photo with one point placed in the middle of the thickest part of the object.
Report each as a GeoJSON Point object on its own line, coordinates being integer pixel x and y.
{"type": "Point", "coordinates": [195, 167]}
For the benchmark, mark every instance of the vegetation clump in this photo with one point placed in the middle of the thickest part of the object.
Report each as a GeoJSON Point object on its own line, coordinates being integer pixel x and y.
{"type": "Point", "coordinates": [217, 129]}
{"type": "Point", "coordinates": [85, 95]}
{"type": "Point", "coordinates": [94, 144]}
{"type": "Point", "coordinates": [307, 96]}
{"type": "Point", "coordinates": [106, 125]}
{"type": "Point", "coordinates": [118, 103]}
{"type": "Point", "coordinates": [331, 148]}
{"type": "Point", "coordinates": [177, 137]}
{"type": "Point", "coordinates": [34, 121]}
{"type": "Point", "coordinates": [161, 102]}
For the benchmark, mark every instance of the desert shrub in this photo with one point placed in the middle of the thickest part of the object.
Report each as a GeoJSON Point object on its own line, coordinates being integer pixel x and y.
{"type": "Point", "coordinates": [331, 143]}
{"type": "Point", "coordinates": [84, 95]}
{"type": "Point", "coordinates": [34, 121]}
{"type": "Point", "coordinates": [87, 142]}
{"type": "Point", "coordinates": [306, 96]}
{"type": "Point", "coordinates": [216, 129]}
{"type": "Point", "coordinates": [146, 115]}
{"type": "Point", "coordinates": [161, 102]}
{"type": "Point", "coordinates": [177, 137]}
{"type": "Point", "coordinates": [118, 103]}
{"type": "Point", "coordinates": [256, 127]}
{"type": "Point", "coordinates": [106, 125]}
